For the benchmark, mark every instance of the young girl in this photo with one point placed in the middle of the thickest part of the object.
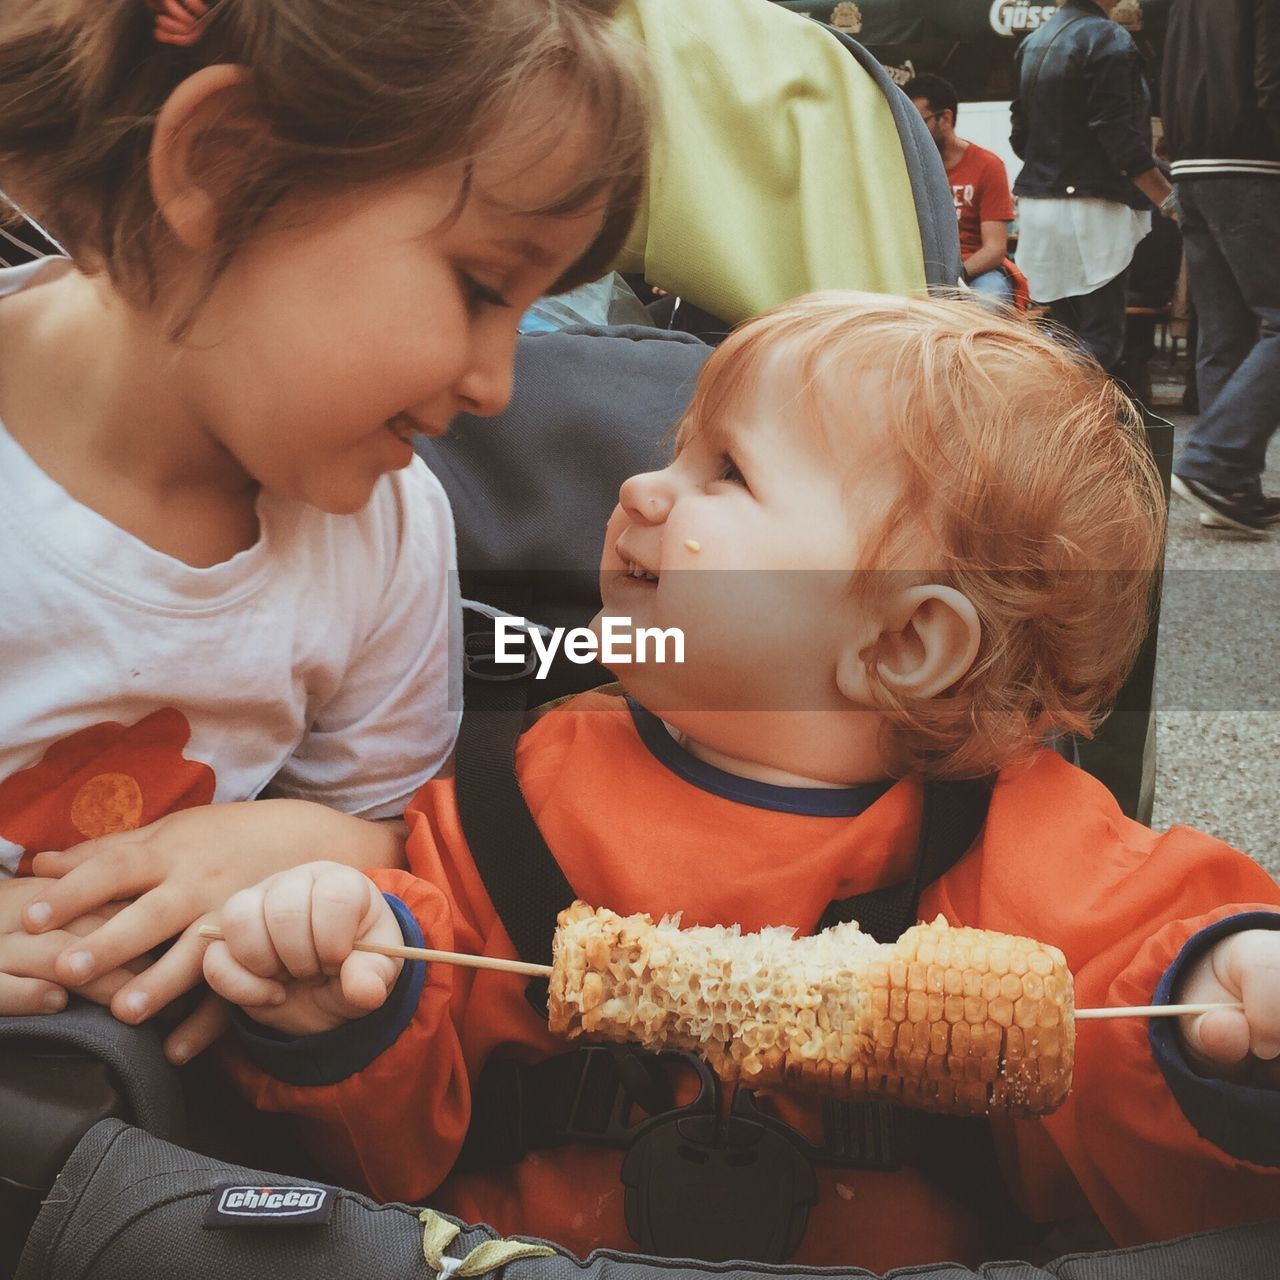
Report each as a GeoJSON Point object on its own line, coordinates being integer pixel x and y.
{"type": "Point", "coordinates": [300, 232]}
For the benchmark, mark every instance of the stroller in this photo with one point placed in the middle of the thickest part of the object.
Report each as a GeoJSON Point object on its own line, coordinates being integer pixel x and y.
{"type": "Point", "coordinates": [97, 1135]}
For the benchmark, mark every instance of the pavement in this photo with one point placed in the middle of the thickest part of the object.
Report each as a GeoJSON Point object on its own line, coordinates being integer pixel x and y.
{"type": "Point", "coordinates": [1218, 663]}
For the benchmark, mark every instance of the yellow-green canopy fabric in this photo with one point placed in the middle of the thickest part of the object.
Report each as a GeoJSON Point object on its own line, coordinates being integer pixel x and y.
{"type": "Point", "coordinates": [776, 166]}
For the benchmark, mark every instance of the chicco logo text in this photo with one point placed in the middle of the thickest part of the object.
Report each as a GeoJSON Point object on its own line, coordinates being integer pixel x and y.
{"type": "Point", "coordinates": [275, 1202]}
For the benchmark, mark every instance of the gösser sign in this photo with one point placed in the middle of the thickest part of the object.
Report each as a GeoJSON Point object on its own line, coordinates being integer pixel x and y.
{"type": "Point", "coordinates": [1009, 19]}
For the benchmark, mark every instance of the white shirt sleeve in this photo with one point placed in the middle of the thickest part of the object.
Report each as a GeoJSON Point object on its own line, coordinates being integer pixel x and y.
{"type": "Point", "coordinates": [392, 718]}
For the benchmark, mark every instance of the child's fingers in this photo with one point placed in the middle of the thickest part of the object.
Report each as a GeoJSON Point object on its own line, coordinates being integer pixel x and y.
{"type": "Point", "coordinates": [1260, 991]}
{"type": "Point", "coordinates": [20, 995]}
{"type": "Point", "coordinates": [1243, 966]}
{"type": "Point", "coordinates": [198, 1030]}
{"type": "Point", "coordinates": [1219, 1042]}
{"type": "Point", "coordinates": [32, 960]}
{"type": "Point", "coordinates": [163, 981]}
{"type": "Point", "coordinates": [25, 957]}
{"type": "Point", "coordinates": [368, 979]}
{"type": "Point", "coordinates": [129, 934]}
{"type": "Point", "coordinates": [232, 981]}
{"type": "Point", "coordinates": [57, 862]}
{"type": "Point", "coordinates": [245, 929]}
{"type": "Point", "coordinates": [28, 958]}
{"type": "Point", "coordinates": [341, 899]}
{"type": "Point", "coordinates": [287, 905]}
{"type": "Point", "coordinates": [346, 907]}
{"type": "Point", "coordinates": [1247, 965]}
{"type": "Point", "coordinates": [88, 876]}
{"type": "Point", "coordinates": [102, 990]}
{"type": "Point", "coordinates": [1220, 1036]}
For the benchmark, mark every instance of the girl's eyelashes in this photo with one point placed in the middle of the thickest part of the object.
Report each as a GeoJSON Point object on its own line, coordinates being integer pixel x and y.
{"type": "Point", "coordinates": [480, 295]}
{"type": "Point", "coordinates": [729, 471]}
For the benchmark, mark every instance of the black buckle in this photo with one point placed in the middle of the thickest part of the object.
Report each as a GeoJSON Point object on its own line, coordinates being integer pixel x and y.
{"type": "Point", "coordinates": [880, 1136]}
{"type": "Point", "coordinates": [585, 1095]}
{"type": "Point", "coordinates": [480, 662]}
{"type": "Point", "coordinates": [699, 1184]}
{"type": "Point", "coordinates": [876, 1136]}
{"type": "Point", "coordinates": [598, 1101]}
{"type": "Point", "coordinates": [610, 1080]}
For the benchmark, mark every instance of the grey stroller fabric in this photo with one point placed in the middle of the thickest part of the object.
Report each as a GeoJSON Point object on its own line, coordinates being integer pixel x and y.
{"type": "Point", "coordinates": [59, 1074]}
{"type": "Point", "coordinates": [930, 186]}
{"type": "Point", "coordinates": [129, 1206]}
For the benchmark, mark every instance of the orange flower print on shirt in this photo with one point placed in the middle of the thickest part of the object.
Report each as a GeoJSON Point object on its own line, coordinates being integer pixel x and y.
{"type": "Point", "coordinates": [108, 777]}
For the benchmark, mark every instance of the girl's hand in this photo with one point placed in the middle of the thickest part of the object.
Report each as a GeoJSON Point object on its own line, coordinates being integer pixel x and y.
{"type": "Point", "coordinates": [287, 958]}
{"type": "Point", "coordinates": [28, 983]}
{"type": "Point", "coordinates": [179, 870]}
{"type": "Point", "coordinates": [1237, 1044]}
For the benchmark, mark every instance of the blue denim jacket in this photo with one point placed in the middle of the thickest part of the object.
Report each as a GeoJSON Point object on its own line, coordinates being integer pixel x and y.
{"type": "Point", "coordinates": [1082, 117]}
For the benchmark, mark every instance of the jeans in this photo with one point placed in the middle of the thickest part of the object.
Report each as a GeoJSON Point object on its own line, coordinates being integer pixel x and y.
{"type": "Point", "coordinates": [993, 284]}
{"type": "Point", "coordinates": [1096, 319]}
{"type": "Point", "coordinates": [1231, 238]}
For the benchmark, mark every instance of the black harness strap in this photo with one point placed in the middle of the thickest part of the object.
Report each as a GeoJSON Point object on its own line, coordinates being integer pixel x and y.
{"type": "Point", "coordinates": [951, 816]}
{"type": "Point", "coordinates": [520, 873]}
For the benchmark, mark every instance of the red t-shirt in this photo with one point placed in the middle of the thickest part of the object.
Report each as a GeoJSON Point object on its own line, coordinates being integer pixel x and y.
{"type": "Point", "coordinates": [980, 188]}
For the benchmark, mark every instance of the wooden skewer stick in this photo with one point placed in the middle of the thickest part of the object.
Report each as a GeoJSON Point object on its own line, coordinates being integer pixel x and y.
{"type": "Point", "coordinates": [402, 952]}
{"type": "Point", "coordinates": [1154, 1010]}
{"type": "Point", "coordinates": [457, 957]}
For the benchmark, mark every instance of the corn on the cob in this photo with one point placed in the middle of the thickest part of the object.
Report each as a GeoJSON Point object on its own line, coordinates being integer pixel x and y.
{"type": "Point", "coordinates": [949, 1019]}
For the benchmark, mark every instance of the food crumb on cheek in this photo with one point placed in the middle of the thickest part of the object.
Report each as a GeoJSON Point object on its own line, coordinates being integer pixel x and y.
{"type": "Point", "coordinates": [693, 544]}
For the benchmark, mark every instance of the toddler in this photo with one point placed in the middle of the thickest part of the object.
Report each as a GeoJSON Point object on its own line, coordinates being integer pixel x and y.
{"type": "Point", "coordinates": [299, 233]}
{"type": "Point", "coordinates": [906, 541]}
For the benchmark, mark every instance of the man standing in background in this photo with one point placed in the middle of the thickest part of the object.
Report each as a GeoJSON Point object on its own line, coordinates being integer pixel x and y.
{"type": "Point", "coordinates": [979, 186]}
{"type": "Point", "coordinates": [1082, 126]}
{"type": "Point", "coordinates": [1221, 111]}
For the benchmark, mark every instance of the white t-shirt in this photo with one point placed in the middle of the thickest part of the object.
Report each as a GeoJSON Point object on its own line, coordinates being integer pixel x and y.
{"type": "Point", "coordinates": [1068, 247]}
{"type": "Point", "coordinates": [131, 684]}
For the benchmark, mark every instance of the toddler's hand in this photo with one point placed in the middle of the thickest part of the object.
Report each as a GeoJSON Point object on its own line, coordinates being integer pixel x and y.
{"type": "Point", "coordinates": [178, 870]}
{"type": "Point", "coordinates": [1241, 1045]}
{"type": "Point", "coordinates": [287, 958]}
{"type": "Point", "coordinates": [28, 983]}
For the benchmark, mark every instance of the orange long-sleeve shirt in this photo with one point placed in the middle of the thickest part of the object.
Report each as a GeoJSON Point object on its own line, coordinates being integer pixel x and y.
{"type": "Point", "coordinates": [640, 831]}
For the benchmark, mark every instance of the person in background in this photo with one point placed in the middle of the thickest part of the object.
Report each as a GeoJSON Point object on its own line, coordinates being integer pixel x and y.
{"type": "Point", "coordinates": [1221, 110]}
{"type": "Point", "coordinates": [979, 186]}
{"type": "Point", "coordinates": [1082, 126]}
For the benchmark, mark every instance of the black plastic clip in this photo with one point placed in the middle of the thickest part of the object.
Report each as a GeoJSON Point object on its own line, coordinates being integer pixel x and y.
{"type": "Point", "coordinates": [700, 1184]}
{"type": "Point", "coordinates": [480, 661]}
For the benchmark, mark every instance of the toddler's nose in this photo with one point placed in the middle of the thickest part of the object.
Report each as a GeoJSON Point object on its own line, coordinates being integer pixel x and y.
{"type": "Point", "coordinates": [647, 497]}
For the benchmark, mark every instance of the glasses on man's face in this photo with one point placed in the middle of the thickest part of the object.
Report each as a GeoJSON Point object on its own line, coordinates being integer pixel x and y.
{"type": "Point", "coordinates": [934, 115]}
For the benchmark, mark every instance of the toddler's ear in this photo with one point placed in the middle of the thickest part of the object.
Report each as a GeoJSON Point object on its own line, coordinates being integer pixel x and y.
{"type": "Point", "coordinates": [199, 131]}
{"type": "Point", "coordinates": [929, 640]}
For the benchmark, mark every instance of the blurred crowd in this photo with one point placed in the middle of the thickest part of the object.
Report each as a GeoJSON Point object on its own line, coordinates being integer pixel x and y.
{"type": "Point", "coordinates": [1116, 232]}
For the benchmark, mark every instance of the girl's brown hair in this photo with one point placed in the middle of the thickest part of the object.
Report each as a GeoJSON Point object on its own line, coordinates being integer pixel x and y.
{"type": "Point", "coordinates": [347, 91]}
{"type": "Point", "coordinates": [1025, 482]}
